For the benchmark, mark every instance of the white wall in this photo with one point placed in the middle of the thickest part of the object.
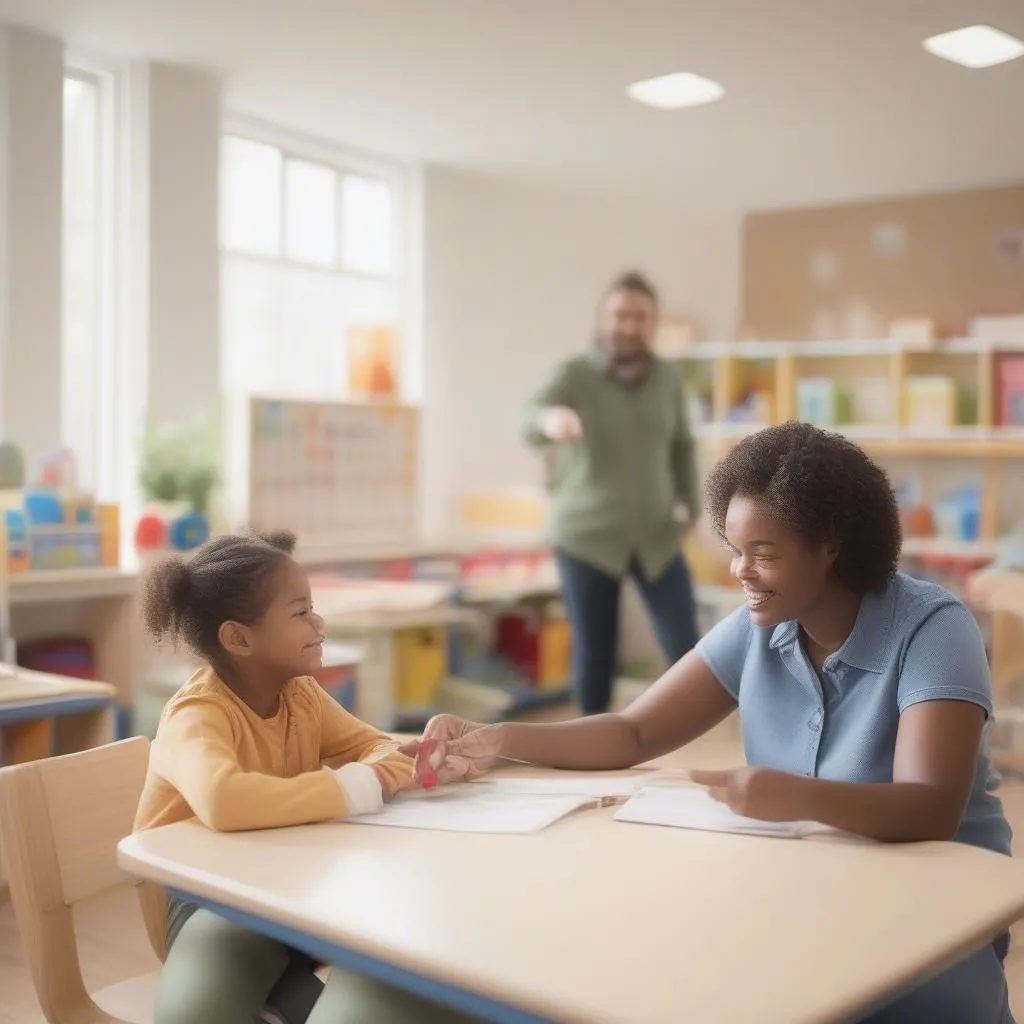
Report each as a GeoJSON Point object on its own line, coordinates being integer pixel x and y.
{"type": "Point", "coordinates": [31, 105]}
{"type": "Point", "coordinates": [182, 154]}
{"type": "Point", "coordinates": [511, 274]}
{"type": "Point", "coordinates": [168, 184]}
{"type": "Point", "coordinates": [512, 277]}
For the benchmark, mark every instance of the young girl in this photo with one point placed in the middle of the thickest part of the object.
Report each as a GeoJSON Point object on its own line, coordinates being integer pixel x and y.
{"type": "Point", "coordinates": [863, 694]}
{"type": "Point", "coordinates": [252, 741]}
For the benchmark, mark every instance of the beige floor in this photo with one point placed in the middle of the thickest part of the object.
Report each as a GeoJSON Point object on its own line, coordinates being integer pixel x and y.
{"type": "Point", "coordinates": [114, 947]}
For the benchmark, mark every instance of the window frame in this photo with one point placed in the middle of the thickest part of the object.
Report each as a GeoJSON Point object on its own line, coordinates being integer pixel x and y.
{"type": "Point", "coordinates": [106, 440]}
{"type": "Point", "coordinates": [341, 161]}
{"type": "Point", "coordinates": [404, 276]}
{"type": "Point", "coordinates": [122, 345]}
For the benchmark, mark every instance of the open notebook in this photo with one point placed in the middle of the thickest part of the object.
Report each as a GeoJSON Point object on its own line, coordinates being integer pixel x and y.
{"type": "Point", "coordinates": [692, 807]}
{"type": "Point", "coordinates": [506, 806]}
{"type": "Point", "coordinates": [522, 805]}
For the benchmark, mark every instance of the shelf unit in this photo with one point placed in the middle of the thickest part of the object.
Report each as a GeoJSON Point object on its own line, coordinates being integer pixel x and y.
{"type": "Point", "coordinates": [737, 388]}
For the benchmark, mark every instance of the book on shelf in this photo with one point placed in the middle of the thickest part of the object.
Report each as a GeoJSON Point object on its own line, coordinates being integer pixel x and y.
{"type": "Point", "coordinates": [929, 402]}
{"type": "Point", "coordinates": [817, 401]}
{"type": "Point", "coordinates": [1010, 390]}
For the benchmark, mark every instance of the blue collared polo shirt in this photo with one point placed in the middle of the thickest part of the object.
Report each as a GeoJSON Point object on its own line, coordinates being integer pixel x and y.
{"type": "Point", "coordinates": [912, 642]}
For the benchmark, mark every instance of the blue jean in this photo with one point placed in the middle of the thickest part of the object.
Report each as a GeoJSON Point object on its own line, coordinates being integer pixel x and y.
{"type": "Point", "coordinates": [592, 600]}
{"type": "Point", "coordinates": [972, 991]}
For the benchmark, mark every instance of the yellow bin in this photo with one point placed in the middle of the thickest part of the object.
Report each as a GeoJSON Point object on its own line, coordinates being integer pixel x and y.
{"type": "Point", "coordinates": [421, 664]}
{"type": "Point", "coordinates": [554, 654]}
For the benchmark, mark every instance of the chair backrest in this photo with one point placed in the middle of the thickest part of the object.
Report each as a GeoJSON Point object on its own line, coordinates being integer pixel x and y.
{"type": "Point", "coordinates": [62, 819]}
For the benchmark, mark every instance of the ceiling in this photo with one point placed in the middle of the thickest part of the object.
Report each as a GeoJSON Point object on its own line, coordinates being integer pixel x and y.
{"type": "Point", "coordinates": [825, 99]}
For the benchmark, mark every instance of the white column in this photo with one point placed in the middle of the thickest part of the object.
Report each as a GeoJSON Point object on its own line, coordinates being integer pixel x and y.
{"type": "Point", "coordinates": [176, 123]}
{"type": "Point", "coordinates": [31, 134]}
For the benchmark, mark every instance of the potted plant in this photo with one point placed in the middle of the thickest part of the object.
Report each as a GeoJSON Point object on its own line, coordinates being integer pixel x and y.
{"type": "Point", "coordinates": [178, 476]}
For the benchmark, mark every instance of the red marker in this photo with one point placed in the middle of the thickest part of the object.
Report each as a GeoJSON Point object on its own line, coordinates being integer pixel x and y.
{"type": "Point", "coordinates": [427, 775]}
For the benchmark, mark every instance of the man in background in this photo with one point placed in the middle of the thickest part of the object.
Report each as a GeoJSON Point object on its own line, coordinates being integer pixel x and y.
{"type": "Point", "coordinates": [623, 483]}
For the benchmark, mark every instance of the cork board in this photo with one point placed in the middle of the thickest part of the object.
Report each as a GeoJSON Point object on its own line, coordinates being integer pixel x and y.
{"type": "Point", "coordinates": [848, 271]}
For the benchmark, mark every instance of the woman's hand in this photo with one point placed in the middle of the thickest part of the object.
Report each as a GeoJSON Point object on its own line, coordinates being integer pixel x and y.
{"type": "Point", "coordinates": [752, 791]}
{"type": "Point", "coordinates": [459, 749]}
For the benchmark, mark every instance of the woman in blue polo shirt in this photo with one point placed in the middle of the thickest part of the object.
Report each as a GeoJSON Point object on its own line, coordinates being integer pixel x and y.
{"type": "Point", "coordinates": [863, 693]}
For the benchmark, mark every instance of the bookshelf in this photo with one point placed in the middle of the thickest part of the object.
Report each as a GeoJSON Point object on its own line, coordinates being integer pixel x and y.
{"type": "Point", "coordinates": [923, 405]}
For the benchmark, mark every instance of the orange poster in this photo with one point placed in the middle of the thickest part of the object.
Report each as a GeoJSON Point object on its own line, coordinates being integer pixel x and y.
{"type": "Point", "coordinates": [371, 362]}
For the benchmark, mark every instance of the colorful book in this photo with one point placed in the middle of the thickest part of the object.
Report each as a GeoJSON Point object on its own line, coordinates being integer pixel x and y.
{"type": "Point", "coordinates": [930, 402]}
{"type": "Point", "coordinates": [1010, 390]}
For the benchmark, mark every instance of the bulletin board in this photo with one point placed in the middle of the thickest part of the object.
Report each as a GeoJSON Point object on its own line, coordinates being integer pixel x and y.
{"type": "Point", "coordinates": [334, 473]}
{"type": "Point", "coordinates": [839, 272]}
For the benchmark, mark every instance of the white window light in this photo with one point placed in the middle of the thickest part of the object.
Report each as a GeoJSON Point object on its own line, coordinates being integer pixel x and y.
{"type": "Point", "coordinates": [670, 92]}
{"type": "Point", "coordinates": [978, 46]}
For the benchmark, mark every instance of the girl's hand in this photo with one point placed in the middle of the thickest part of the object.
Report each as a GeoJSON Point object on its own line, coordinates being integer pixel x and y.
{"type": "Point", "coordinates": [461, 749]}
{"type": "Point", "coordinates": [751, 791]}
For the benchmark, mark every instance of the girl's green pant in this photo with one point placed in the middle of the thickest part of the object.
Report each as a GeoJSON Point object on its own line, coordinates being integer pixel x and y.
{"type": "Point", "coordinates": [217, 972]}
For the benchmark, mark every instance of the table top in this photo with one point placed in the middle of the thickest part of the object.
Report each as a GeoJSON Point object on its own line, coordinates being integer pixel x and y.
{"type": "Point", "coordinates": [603, 922]}
{"type": "Point", "coordinates": [509, 594]}
{"type": "Point", "coordinates": [352, 554]}
{"type": "Point", "coordinates": [62, 585]}
{"type": "Point", "coordinates": [382, 620]}
{"type": "Point", "coordinates": [999, 590]}
{"type": "Point", "coordinates": [22, 686]}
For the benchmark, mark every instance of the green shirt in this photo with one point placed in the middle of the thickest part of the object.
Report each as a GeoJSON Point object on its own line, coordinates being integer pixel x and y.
{"type": "Point", "coordinates": [613, 493]}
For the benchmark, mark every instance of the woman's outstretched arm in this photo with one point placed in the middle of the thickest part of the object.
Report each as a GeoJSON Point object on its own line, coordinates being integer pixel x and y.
{"type": "Point", "coordinates": [682, 705]}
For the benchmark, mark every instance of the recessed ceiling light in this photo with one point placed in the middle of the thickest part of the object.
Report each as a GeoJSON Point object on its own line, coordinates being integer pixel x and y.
{"type": "Point", "coordinates": [976, 47]}
{"type": "Point", "coordinates": [670, 92]}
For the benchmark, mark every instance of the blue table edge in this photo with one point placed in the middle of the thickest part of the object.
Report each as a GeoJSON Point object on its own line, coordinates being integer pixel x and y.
{"type": "Point", "coordinates": [326, 952]}
{"type": "Point", "coordinates": [29, 710]}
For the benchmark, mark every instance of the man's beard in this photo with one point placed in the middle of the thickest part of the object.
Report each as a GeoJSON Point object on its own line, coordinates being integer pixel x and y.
{"type": "Point", "coordinates": [631, 368]}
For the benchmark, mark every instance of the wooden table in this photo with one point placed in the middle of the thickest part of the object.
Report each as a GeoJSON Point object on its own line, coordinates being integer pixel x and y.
{"type": "Point", "coordinates": [96, 603]}
{"type": "Point", "coordinates": [42, 714]}
{"type": "Point", "coordinates": [1001, 592]}
{"type": "Point", "coordinates": [374, 630]}
{"type": "Point", "coordinates": [504, 595]}
{"type": "Point", "coordinates": [598, 922]}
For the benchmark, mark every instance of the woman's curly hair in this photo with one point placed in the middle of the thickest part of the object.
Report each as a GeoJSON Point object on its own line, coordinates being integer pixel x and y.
{"type": "Point", "coordinates": [823, 487]}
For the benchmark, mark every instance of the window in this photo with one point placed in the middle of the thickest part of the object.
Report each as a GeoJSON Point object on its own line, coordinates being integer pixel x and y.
{"type": "Point", "coordinates": [310, 200]}
{"type": "Point", "coordinates": [312, 245]}
{"type": "Point", "coordinates": [89, 371]}
{"type": "Point", "coordinates": [250, 197]}
{"type": "Point", "coordinates": [308, 252]}
{"type": "Point", "coordinates": [366, 212]}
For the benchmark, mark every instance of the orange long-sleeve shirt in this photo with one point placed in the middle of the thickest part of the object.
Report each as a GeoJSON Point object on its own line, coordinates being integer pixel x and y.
{"type": "Point", "coordinates": [215, 759]}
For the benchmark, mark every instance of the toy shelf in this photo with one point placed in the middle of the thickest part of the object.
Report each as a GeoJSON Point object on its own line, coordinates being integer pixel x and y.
{"type": "Point", "coordinates": [959, 399]}
{"type": "Point", "coordinates": [758, 382]}
{"type": "Point", "coordinates": [954, 443]}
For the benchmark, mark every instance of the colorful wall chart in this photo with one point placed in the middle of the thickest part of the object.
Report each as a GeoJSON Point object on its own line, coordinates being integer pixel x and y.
{"type": "Point", "coordinates": [334, 473]}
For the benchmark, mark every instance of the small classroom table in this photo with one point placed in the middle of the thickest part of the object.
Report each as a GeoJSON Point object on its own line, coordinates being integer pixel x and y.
{"type": "Point", "coordinates": [43, 714]}
{"type": "Point", "coordinates": [593, 921]}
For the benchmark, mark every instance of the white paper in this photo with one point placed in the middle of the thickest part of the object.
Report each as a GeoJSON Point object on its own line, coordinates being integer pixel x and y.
{"type": "Point", "coordinates": [596, 787]}
{"type": "Point", "coordinates": [475, 808]}
{"type": "Point", "coordinates": [692, 807]}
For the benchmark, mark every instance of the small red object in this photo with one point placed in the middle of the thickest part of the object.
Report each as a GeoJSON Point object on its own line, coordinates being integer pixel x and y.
{"type": "Point", "coordinates": [427, 775]}
{"type": "Point", "coordinates": [151, 533]}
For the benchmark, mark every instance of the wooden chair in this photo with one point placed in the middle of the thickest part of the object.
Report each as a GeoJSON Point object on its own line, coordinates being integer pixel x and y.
{"type": "Point", "coordinates": [62, 819]}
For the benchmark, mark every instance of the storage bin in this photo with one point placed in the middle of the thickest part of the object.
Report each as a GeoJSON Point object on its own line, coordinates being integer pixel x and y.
{"type": "Point", "coordinates": [421, 663]}
{"type": "Point", "coordinates": [554, 659]}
